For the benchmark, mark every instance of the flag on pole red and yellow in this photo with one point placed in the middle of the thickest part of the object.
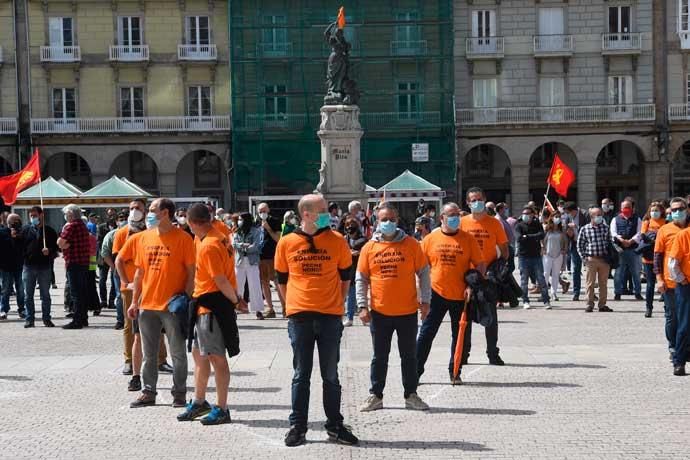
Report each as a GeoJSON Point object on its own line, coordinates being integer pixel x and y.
{"type": "Point", "coordinates": [341, 18]}
{"type": "Point", "coordinates": [11, 185]}
{"type": "Point", "coordinates": [561, 177]}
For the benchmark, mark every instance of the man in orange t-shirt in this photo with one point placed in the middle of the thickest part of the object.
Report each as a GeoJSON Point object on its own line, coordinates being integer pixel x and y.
{"type": "Point", "coordinates": [491, 236]}
{"type": "Point", "coordinates": [313, 265]}
{"type": "Point", "coordinates": [214, 278]}
{"type": "Point", "coordinates": [164, 257]}
{"type": "Point", "coordinates": [665, 284]}
{"type": "Point", "coordinates": [388, 266]}
{"type": "Point", "coordinates": [451, 253]}
{"type": "Point", "coordinates": [679, 270]}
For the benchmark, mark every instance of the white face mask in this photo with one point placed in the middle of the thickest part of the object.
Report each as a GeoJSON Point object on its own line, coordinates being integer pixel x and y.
{"type": "Point", "coordinates": [182, 220]}
{"type": "Point", "coordinates": [263, 215]}
{"type": "Point", "coordinates": [240, 223]}
{"type": "Point", "coordinates": [135, 215]}
{"type": "Point", "coordinates": [293, 221]}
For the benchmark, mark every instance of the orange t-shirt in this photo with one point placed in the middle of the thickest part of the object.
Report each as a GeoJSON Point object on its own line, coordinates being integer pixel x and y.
{"type": "Point", "coordinates": [664, 241]}
{"type": "Point", "coordinates": [651, 225]}
{"type": "Point", "coordinates": [314, 278]}
{"type": "Point", "coordinates": [488, 232]}
{"type": "Point", "coordinates": [127, 251]}
{"type": "Point", "coordinates": [450, 257]}
{"type": "Point", "coordinates": [221, 227]}
{"type": "Point", "coordinates": [212, 259]}
{"type": "Point", "coordinates": [164, 260]}
{"type": "Point", "coordinates": [391, 268]}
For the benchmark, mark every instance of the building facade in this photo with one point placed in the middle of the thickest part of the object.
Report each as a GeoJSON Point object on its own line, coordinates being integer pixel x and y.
{"type": "Point", "coordinates": [139, 89]}
{"type": "Point", "coordinates": [8, 90]}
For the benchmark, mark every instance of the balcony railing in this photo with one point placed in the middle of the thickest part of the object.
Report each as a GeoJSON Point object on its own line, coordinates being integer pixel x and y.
{"type": "Point", "coordinates": [197, 52]}
{"type": "Point", "coordinates": [60, 54]}
{"type": "Point", "coordinates": [368, 120]}
{"type": "Point", "coordinates": [684, 36]}
{"type": "Point", "coordinates": [553, 45]}
{"type": "Point", "coordinates": [408, 47]}
{"type": "Point", "coordinates": [552, 115]}
{"type": "Point", "coordinates": [392, 119]}
{"type": "Point", "coordinates": [129, 53]}
{"type": "Point", "coordinates": [274, 49]}
{"type": "Point", "coordinates": [129, 125]}
{"type": "Point", "coordinates": [679, 112]}
{"type": "Point", "coordinates": [484, 47]}
{"type": "Point", "coordinates": [8, 125]}
{"type": "Point", "coordinates": [621, 43]}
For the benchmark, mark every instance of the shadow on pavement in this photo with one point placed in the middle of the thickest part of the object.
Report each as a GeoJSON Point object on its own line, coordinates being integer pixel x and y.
{"type": "Point", "coordinates": [560, 366]}
{"type": "Point", "coordinates": [455, 445]}
{"type": "Point", "coordinates": [471, 411]}
{"type": "Point", "coordinates": [16, 378]}
{"type": "Point", "coordinates": [521, 384]}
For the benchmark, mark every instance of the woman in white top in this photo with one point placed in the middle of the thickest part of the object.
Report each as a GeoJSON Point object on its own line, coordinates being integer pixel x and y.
{"type": "Point", "coordinates": [554, 248]}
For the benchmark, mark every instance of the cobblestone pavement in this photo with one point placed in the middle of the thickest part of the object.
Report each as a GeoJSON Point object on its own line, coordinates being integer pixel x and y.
{"type": "Point", "coordinates": [575, 385]}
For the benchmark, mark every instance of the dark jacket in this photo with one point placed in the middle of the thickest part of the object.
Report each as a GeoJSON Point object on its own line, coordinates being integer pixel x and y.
{"type": "Point", "coordinates": [529, 237]}
{"type": "Point", "coordinates": [224, 312]}
{"type": "Point", "coordinates": [11, 250]}
{"type": "Point", "coordinates": [483, 298]}
{"type": "Point", "coordinates": [356, 243]}
{"type": "Point", "coordinates": [33, 246]}
{"type": "Point", "coordinates": [500, 275]}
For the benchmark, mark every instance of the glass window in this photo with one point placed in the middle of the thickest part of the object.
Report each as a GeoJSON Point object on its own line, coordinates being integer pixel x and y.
{"type": "Point", "coordinates": [129, 31]}
{"type": "Point", "coordinates": [552, 92]}
{"type": "Point", "coordinates": [619, 19]}
{"type": "Point", "coordinates": [197, 30]}
{"type": "Point", "coordinates": [483, 23]}
{"type": "Point", "coordinates": [132, 102]}
{"type": "Point", "coordinates": [408, 100]}
{"type": "Point", "coordinates": [484, 93]}
{"type": "Point", "coordinates": [275, 102]}
{"type": "Point", "coordinates": [620, 90]}
{"type": "Point", "coordinates": [64, 103]}
{"type": "Point", "coordinates": [199, 101]}
{"type": "Point", "coordinates": [274, 38]}
{"type": "Point", "coordinates": [409, 32]}
{"type": "Point", "coordinates": [60, 32]}
{"type": "Point", "coordinates": [683, 16]}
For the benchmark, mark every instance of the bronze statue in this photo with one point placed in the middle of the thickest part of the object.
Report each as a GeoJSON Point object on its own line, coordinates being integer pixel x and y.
{"type": "Point", "coordinates": [340, 88]}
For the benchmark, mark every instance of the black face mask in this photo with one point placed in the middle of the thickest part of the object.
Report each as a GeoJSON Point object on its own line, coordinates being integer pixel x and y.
{"type": "Point", "coordinates": [16, 226]}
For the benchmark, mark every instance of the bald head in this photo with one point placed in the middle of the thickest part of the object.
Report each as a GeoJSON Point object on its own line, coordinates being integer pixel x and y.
{"type": "Point", "coordinates": [450, 208]}
{"type": "Point", "coordinates": [312, 203]}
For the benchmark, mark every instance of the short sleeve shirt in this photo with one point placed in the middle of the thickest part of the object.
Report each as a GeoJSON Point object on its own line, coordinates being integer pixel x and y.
{"type": "Point", "coordinates": [664, 241]}
{"type": "Point", "coordinates": [680, 250]}
{"type": "Point", "coordinates": [212, 259]}
{"type": "Point", "coordinates": [488, 232]}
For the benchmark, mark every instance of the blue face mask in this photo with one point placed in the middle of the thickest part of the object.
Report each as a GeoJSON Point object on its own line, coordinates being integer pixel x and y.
{"type": "Point", "coordinates": [598, 220]}
{"type": "Point", "coordinates": [669, 218]}
{"type": "Point", "coordinates": [526, 218]}
{"type": "Point", "coordinates": [35, 221]}
{"type": "Point", "coordinates": [323, 221]}
{"type": "Point", "coordinates": [679, 215]}
{"type": "Point", "coordinates": [655, 214]}
{"type": "Point", "coordinates": [477, 206]}
{"type": "Point", "coordinates": [453, 222]}
{"type": "Point", "coordinates": [151, 220]}
{"type": "Point", "coordinates": [387, 227]}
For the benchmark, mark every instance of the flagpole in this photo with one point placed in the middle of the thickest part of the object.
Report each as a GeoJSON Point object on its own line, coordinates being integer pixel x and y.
{"type": "Point", "coordinates": [40, 194]}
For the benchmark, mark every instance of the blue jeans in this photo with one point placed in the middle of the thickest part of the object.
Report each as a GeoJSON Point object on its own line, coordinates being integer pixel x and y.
{"type": "Point", "coordinates": [532, 267]}
{"type": "Point", "coordinates": [78, 279]}
{"type": "Point", "coordinates": [8, 279]}
{"type": "Point", "coordinates": [115, 281]}
{"type": "Point", "coordinates": [431, 324]}
{"type": "Point", "coordinates": [671, 326]}
{"type": "Point", "coordinates": [382, 328]}
{"type": "Point", "coordinates": [628, 261]}
{"type": "Point", "coordinates": [576, 265]}
{"type": "Point", "coordinates": [683, 317]}
{"type": "Point", "coordinates": [325, 331]}
{"type": "Point", "coordinates": [41, 276]}
{"type": "Point", "coordinates": [351, 301]}
{"type": "Point", "coordinates": [651, 284]}
{"type": "Point", "coordinates": [511, 259]}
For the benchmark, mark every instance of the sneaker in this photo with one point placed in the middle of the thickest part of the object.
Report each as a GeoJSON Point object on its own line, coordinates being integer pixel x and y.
{"type": "Point", "coordinates": [134, 384]}
{"type": "Point", "coordinates": [589, 309]}
{"type": "Point", "coordinates": [372, 403]}
{"type": "Point", "coordinates": [295, 437]}
{"type": "Point", "coordinates": [342, 434]}
{"type": "Point", "coordinates": [347, 323]}
{"type": "Point", "coordinates": [414, 402]}
{"type": "Point", "coordinates": [606, 309]}
{"type": "Point", "coordinates": [526, 305]}
{"type": "Point", "coordinates": [127, 369]}
{"type": "Point", "coordinates": [165, 368]}
{"type": "Point", "coordinates": [679, 370]}
{"type": "Point", "coordinates": [455, 380]}
{"type": "Point", "coordinates": [217, 416]}
{"type": "Point", "coordinates": [648, 313]}
{"type": "Point", "coordinates": [48, 323]}
{"type": "Point", "coordinates": [270, 314]}
{"type": "Point", "coordinates": [555, 298]}
{"type": "Point", "coordinates": [193, 411]}
{"type": "Point", "coordinates": [144, 400]}
{"type": "Point", "coordinates": [3, 316]}
{"type": "Point", "coordinates": [259, 315]}
{"type": "Point", "coordinates": [547, 306]}
{"type": "Point", "coordinates": [638, 297]}
{"type": "Point", "coordinates": [496, 361]}
{"type": "Point", "coordinates": [179, 401]}
{"type": "Point", "coordinates": [28, 324]}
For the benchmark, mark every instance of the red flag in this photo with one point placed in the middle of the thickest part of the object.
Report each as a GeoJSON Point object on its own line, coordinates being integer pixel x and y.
{"type": "Point", "coordinates": [341, 18]}
{"type": "Point", "coordinates": [11, 185]}
{"type": "Point", "coordinates": [561, 177]}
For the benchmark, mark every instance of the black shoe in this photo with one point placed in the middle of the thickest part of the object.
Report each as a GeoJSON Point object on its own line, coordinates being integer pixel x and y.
{"type": "Point", "coordinates": [144, 400]}
{"type": "Point", "coordinates": [496, 361]}
{"type": "Point", "coordinates": [165, 368]}
{"type": "Point", "coordinates": [194, 411]}
{"type": "Point", "coordinates": [103, 306]}
{"type": "Point", "coordinates": [21, 314]}
{"type": "Point", "coordinates": [179, 401]}
{"type": "Point", "coordinates": [127, 369]}
{"type": "Point", "coordinates": [119, 326]}
{"type": "Point", "coordinates": [69, 315]}
{"type": "Point", "coordinates": [638, 297]}
{"type": "Point", "coordinates": [48, 323]}
{"type": "Point", "coordinates": [576, 298]}
{"type": "Point", "coordinates": [295, 437]}
{"type": "Point", "coordinates": [342, 434]}
{"type": "Point", "coordinates": [648, 313]}
{"type": "Point", "coordinates": [97, 313]}
{"type": "Point", "coordinates": [134, 384]}
{"type": "Point", "coordinates": [455, 380]}
{"type": "Point", "coordinates": [28, 324]}
{"type": "Point", "coordinates": [259, 315]}
{"type": "Point", "coordinates": [72, 325]}
{"type": "Point", "coordinates": [617, 297]}
{"type": "Point", "coordinates": [679, 370]}
{"type": "Point", "coordinates": [605, 309]}
{"type": "Point", "coordinates": [589, 309]}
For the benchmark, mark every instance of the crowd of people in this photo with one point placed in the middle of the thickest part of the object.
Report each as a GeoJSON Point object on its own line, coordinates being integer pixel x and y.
{"type": "Point", "coordinates": [185, 275]}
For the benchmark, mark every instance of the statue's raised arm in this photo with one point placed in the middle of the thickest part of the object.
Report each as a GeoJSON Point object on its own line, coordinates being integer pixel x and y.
{"type": "Point", "coordinates": [339, 88]}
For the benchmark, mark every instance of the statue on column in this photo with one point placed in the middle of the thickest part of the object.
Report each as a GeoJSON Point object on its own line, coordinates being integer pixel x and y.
{"type": "Point", "coordinates": [340, 88]}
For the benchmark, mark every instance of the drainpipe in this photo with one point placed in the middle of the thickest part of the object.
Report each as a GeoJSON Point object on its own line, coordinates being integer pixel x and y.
{"type": "Point", "coordinates": [660, 59]}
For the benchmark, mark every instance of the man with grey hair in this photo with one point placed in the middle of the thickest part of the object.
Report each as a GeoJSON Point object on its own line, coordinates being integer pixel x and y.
{"type": "Point", "coordinates": [11, 263]}
{"type": "Point", "coordinates": [592, 246]}
{"type": "Point", "coordinates": [75, 245]}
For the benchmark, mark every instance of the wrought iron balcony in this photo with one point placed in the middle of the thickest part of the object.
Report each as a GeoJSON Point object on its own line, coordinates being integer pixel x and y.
{"type": "Point", "coordinates": [197, 52]}
{"type": "Point", "coordinates": [484, 47]}
{"type": "Point", "coordinates": [408, 47]}
{"type": "Point", "coordinates": [60, 54]}
{"type": "Point", "coordinates": [553, 45]}
{"type": "Point", "coordinates": [621, 43]}
{"type": "Point", "coordinates": [493, 116]}
{"type": "Point", "coordinates": [129, 125]}
{"type": "Point", "coordinates": [129, 53]}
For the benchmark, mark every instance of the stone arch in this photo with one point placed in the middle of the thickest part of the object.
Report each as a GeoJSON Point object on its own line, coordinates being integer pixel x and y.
{"type": "Point", "coordinates": [69, 166]}
{"type": "Point", "coordinates": [487, 166]}
{"type": "Point", "coordinates": [138, 167]}
{"type": "Point", "coordinates": [620, 172]}
{"type": "Point", "coordinates": [201, 173]}
{"type": "Point", "coordinates": [539, 166]}
{"type": "Point", "coordinates": [680, 170]}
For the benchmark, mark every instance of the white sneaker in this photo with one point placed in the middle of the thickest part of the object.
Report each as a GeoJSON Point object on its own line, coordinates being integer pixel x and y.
{"type": "Point", "coordinates": [3, 315]}
{"type": "Point", "coordinates": [526, 305]}
{"type": "Point", "coordinates": [547, 306]}
{"type": "Point", "coordinates": [372, 403]}
{"type": "Point", "coordinates": [414, 402]}
{"type": "Point", "coordinates": [347, 323]}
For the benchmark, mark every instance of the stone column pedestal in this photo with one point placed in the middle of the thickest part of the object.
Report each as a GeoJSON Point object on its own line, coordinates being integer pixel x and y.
{"type": "Point", "coordinates": [340, 176]}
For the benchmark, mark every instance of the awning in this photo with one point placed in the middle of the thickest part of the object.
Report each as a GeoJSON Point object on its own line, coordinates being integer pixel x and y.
{"type": "Point", "coordinates": [409, 186]}
{"type": "Point", "coordinates": [56, 194]}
